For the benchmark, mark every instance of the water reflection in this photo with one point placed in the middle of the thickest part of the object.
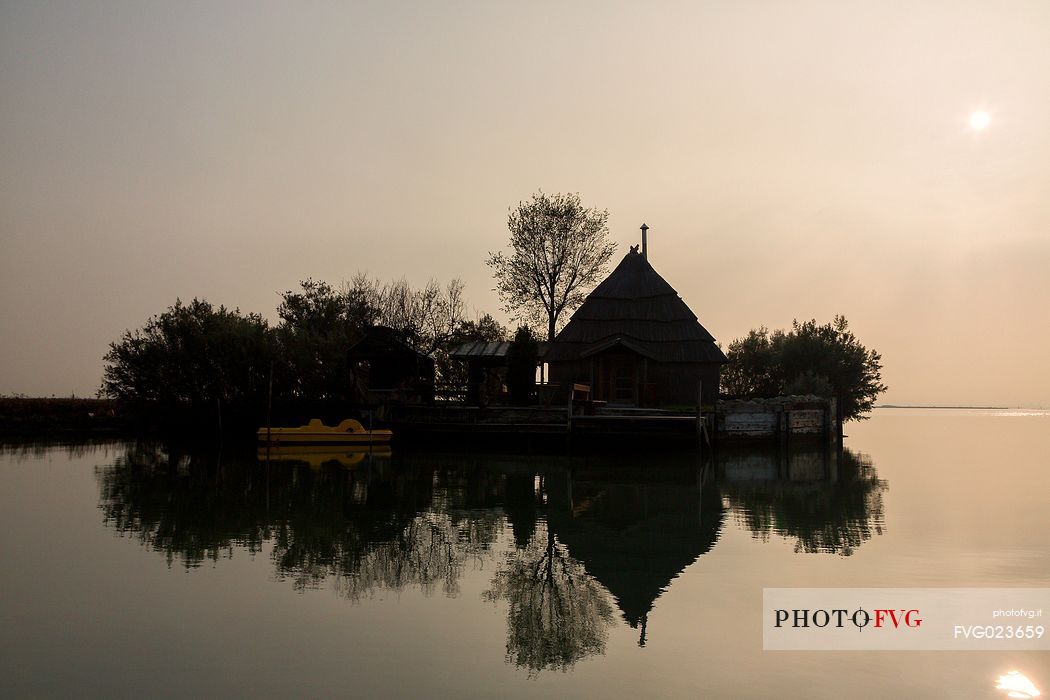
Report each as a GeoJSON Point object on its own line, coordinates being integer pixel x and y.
{"type": "Point", "coordinates": [19, 451]}
{"type": "Point", "coordinates": [557, 614]}
{"type": "Point", "coordinates": [368, 528]}
{"type": "Point", "coordinates": [826, 501]}
{"type": "Point", "coordinates": [564, 541]}
{"type": "Point", "coordinates": [1017, 685]}
{"type": "Point", "coordinates": [636, 526]}
{"type": "Point", "coordinates": [189, 508]}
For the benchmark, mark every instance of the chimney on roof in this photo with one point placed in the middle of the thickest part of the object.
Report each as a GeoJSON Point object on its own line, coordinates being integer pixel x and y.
{"type": "Point", "coordinates": [645, 230]}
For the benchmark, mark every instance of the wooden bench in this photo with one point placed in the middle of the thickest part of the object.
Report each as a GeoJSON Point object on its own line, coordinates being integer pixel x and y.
{"type": "Point", "coordinates": [581, 396]}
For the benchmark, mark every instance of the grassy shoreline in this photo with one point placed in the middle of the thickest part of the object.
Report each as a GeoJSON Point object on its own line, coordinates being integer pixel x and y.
{"type": "Point", "coordinates": [34, 416]}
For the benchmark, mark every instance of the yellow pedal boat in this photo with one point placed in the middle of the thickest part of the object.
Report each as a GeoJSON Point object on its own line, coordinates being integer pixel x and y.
{"type": "Point", "coordinates": [348, 432]}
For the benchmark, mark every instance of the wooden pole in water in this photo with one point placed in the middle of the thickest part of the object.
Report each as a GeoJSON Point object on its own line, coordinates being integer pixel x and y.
{"type": "Point", "coordinates": [269, 410]}
{"type": "Point", "coordinates": [700, 416]}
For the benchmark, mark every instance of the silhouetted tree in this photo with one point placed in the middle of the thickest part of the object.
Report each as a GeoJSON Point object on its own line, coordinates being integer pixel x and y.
{"type": "Point", "coordinates": [192, 353]}
{"type": "Point", "coordinates": [521, 367]}
{"type": "Point", "coordinates": [558, 250]}
{"type": "Point", "coordinates": [826, 360]}
{"type": "Point", "coordinates": [754, 365]}
{"type": "Point", "coordinates": [485, 329]}
{"type": "Point", "coordinates": [317, 326]}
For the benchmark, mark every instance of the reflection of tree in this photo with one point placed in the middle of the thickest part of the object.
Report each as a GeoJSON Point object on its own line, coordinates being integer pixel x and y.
{"type": "Point", "coordinates": [187, 508]}
{"type": "Point", "coordinates": [20, 451]}
{"type": "Point", "coordinates": [836, 513]}
{"type": "Point", "coordinates": [367, 528]}
{"type": "Point", "coordinates": [557, 613]}
{"type": "Point", "coordinates": [430, 550]}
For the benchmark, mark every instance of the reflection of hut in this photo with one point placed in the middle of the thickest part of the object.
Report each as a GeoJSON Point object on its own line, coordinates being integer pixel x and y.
{"type": "Point", "coordinates": [635, 536]}
{"type": "Point", "coordinates": [384, 368]}
{"type": "Point", "coordinates": [486, 363]}
{"type": "Point", "coordinates": [636, 343]}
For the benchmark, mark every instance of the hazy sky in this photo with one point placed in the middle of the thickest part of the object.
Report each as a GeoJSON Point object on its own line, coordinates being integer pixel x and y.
{"type": "Point", "coordinates": [793, 159]}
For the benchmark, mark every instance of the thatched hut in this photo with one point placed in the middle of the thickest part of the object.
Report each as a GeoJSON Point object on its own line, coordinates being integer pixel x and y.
{"type": "Point", "coordinates": [636, 343]}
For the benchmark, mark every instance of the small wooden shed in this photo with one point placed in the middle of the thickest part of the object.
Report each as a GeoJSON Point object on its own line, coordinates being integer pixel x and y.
{"type": "Point", "coordinates": [386, 369]}
{"type": "Point", "coordinates": [484, 359]}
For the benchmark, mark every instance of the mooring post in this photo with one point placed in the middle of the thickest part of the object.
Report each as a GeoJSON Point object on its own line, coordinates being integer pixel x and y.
{"type": "Point", "coordinates": [269, 410]}
{"type": "Point", "coordinates": [700, 489]}
{"type": "Point", "coordinates": [782, 426]}
{"type": "Point", "coordinates": [700, 415]}
{"type": "Point", "coordinates": [834, 432]}
{"type": "Point", "coordinates": [568, 486]}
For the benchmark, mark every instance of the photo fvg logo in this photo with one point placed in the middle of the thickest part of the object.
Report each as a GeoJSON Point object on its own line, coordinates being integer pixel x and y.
{"type": "Point", "coordinates": [859, 618]}
{"type": "Point", "coordinates": [830, 619]}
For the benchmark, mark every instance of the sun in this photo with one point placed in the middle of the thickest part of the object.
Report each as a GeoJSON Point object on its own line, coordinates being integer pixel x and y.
{"type": "Point", "coordinates": [980, 120]}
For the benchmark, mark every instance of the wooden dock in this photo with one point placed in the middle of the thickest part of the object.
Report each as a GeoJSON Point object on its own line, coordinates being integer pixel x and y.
{"type": "Point", "coordinates": [776, 420]}
{"type": "Point", "coordinates": [553, 426]}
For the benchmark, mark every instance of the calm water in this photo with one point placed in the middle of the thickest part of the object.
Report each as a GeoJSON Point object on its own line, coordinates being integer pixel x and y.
{"type": "Point", "coordinates": [133, 569]}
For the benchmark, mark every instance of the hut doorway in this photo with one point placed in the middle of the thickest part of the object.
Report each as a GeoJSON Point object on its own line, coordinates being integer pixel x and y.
{"type": "Point", "coordinates": [618, 378]}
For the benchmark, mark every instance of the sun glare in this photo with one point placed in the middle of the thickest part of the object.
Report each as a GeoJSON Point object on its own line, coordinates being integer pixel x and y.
{"type": "Point", "coordinates": [980, 120]}
{"type": "Point", "coordinates": [1017, 686]}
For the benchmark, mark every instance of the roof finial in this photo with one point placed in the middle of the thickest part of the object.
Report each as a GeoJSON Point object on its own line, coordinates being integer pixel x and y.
{"type": "Point", "coordinates": [645, 230]}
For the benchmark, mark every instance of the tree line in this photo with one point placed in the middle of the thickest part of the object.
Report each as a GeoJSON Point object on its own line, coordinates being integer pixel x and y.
{"type": "Point", "coordinates": [197, 353]}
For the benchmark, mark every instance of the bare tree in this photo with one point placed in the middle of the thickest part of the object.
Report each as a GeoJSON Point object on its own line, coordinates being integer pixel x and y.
{"type": "Point", "coordinates": [426, 318]}
{"type": "Point", "coordinates": [559, 249]}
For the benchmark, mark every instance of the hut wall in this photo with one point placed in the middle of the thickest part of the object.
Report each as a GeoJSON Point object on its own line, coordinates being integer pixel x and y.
{"type": "Point", "coordinates": [675, 383]}
{"type": "Point", "coordinates": [668, 383]}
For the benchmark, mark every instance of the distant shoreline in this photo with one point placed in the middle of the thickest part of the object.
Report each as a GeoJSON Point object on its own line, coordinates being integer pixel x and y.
{"type": "Point", "coordinates": [963, 408]}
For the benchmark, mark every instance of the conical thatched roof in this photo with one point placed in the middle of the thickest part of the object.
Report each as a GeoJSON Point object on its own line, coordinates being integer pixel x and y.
{"type": "Point", "coordinates": [637, 309]}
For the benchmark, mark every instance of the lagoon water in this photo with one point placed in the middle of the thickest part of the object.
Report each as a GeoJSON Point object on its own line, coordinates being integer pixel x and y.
{"type": "Point", "coordinates": [137, 569]}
